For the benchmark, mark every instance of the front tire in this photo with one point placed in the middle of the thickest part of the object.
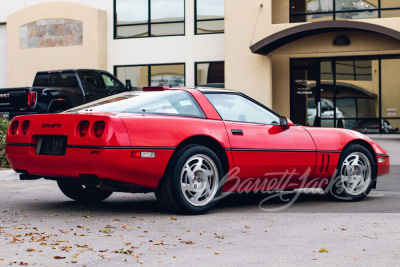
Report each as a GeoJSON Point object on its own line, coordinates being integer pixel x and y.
{"type": "Point", "coordinates": [83, 193]}
{"type": "Point", "coordinates": [355, 175]}
{"type": "Point", "coordinates": [192, 182]}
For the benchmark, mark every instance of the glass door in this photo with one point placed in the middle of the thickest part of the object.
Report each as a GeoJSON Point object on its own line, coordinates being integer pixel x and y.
{"type": "Point", "coordinates": [306, 103]}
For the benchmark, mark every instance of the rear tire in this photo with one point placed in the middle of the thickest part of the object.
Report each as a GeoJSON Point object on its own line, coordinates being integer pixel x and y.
{"type": "Point", "coordinates": [83, 193]}
{"type": "Point", "coordinates": [355, 175]}
{"type": "Point", "coordinates": [192, 181]}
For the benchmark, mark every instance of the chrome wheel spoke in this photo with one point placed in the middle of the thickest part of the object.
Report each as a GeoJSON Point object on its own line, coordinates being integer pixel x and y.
{"type": "Point", "coordinates": [199, 180]}
{"type": "Point", "coordinates": [356, 173]}
{"type": "Point", "coordinates": [356, 160]}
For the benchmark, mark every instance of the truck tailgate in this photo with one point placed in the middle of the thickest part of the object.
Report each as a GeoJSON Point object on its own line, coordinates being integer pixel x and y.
{"type": "Point", "coordinates": [13, 98]}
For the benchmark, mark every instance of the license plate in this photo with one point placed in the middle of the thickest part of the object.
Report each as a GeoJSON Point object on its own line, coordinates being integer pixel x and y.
{"type": "Point", "coordinates": [54, 145]}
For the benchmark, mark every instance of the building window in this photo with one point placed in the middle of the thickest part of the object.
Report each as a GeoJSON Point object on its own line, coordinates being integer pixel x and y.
{"type": "Point", "coordinates": [148, 18]}
{"type": "Point", "coordinates": [318, 10]}
{"type": "Point", "coordinates": [209, 16]}
{"type": "Point", "coordinates": [172, 75]}
{"type": "Point", "coordinates": [210, 74]}
{"type": "Point", "coordinates": [357, 93]}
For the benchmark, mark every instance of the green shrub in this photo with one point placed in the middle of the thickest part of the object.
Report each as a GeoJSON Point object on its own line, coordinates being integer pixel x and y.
{"type": "Point", "coordinates": [4, 123]}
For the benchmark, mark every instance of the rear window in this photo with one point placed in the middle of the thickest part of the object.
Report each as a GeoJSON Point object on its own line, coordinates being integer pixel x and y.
{"type": "Point", "coordinates": [63, 79]}
{"type": "Point", "coordinates": [179, 103]}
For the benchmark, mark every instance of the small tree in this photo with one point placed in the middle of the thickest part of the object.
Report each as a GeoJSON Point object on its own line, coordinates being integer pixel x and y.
{"type": "Point", "coordinates": [4, 123]}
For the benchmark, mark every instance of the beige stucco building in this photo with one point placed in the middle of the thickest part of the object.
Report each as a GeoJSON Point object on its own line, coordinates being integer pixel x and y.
{"type": "Point", "coordinates": [319, 62]}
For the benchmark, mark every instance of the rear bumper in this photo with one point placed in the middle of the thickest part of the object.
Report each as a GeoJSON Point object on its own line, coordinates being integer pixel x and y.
{"type": "Point", "coordinates": [111, 164]}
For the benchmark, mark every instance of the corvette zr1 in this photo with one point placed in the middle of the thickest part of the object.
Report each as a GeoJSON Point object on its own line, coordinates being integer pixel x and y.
{"type": "Point", "coordinates": [188, 145]}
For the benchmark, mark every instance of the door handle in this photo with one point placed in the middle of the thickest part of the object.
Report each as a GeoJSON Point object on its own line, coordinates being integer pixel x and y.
{"type": "Point", "coordinates": [237, 131]}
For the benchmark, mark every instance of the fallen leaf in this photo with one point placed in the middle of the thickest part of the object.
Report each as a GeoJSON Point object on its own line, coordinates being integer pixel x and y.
{"type": "Point", "coordinates": [323, 250]}
{"type": "Point", "coordinates": [187, 242]}
{"type": "Point", "coordinates": [59, 257]}
{"type": "Point", "coordinates": [15, 239]}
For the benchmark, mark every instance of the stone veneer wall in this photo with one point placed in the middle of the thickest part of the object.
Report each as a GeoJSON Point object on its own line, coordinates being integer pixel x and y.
{"type": "Point", "coordinates": [51, 33]}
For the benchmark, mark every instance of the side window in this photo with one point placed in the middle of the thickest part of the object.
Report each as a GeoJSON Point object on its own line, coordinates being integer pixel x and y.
{"type": "Point", "coordinates": [111, 83]}
{"type": "Point", "coordinates": [91, 80]}
{"type": "Point", "coordinates": [234, 107]}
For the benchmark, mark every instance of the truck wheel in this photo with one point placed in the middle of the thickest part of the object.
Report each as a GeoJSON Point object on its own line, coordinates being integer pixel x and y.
{"type": "Point", "coordinates": [83, 193]}
{"type": "Point", "coordinates": [355, 175]}
{"type": "Point", "coordinates": [192, 182]}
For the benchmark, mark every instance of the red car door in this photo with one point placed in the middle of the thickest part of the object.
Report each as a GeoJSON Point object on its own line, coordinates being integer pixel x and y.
{"type": "Point", "coordinates": [269, 151]}
{"type": "Point", "coordinates": [261, 148]}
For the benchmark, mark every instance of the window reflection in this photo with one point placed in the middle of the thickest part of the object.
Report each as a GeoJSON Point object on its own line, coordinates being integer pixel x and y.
{"type": "Point", "coordinates": [144, 18]}
{"type": "Point", "coordinates": [210, 16]}
{"type": "Point", "coordinates": [210, 9]}
{"type": "Point", "coordinates": [132, 11]}
{"type": "Point", "coordinates": [352, 93]}
{"type": "Point", "coordinates": [211, 74]}
{"type": "Point", "coordinates": [168, 75]}
{"type": "Point", "coordinates": [391, 91]}
{"type": "Point", "coordinates": [318, 10]}
{"type": "Point", "coordinates": [153, 75]}
{"type": "Point", "coordinates": [164, 11]}
{"type": "Point", "coordinates": [167, 29]}
{"type": "Point", "coordinates": [132, 31]}
{"type": "Point", "coordinates": [346, 5]}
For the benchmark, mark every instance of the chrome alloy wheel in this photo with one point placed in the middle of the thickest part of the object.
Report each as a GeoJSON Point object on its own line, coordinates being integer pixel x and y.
{"type": "Point", "coordinates": [356, 173]}
{"type": "Point", "coordinates": [199, 180]}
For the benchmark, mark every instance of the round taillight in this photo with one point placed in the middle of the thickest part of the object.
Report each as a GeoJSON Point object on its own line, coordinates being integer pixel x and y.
{"type": "Point", "coordinates": [25, 127]}
{"type": "Point", "coordinates": [99, 128]}
{"type": "Point", "coordinates": [84, 128]}
{"type": "Point", "coordinates": [14, 127]}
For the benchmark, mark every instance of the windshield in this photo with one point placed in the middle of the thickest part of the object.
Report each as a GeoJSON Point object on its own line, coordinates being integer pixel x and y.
{"type": "Point", "coordinates": [169, 102]}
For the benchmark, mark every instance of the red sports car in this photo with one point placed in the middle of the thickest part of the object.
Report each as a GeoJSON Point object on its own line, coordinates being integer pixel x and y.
{"type": "Point", "coordinates": [188, 146]}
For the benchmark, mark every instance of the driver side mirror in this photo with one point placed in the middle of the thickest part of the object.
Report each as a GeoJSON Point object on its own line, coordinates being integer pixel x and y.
{"type": "Point", "coordinates": [285, 122]}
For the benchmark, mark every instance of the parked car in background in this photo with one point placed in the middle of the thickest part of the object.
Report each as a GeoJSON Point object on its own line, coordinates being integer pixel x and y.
{"type": "Point", "coordinates": [183, 144]}
{"type": "Point", "coordinates": [56, 91]}
{"type": "Point", "coordinates": [327, 112]}
{"type": "Point", "coordinates": [372, 126]}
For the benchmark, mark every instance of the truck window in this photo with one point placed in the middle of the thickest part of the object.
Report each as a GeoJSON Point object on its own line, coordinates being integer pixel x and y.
{"type": "Point", "coordinates": [111, 83]}
{"type": "Point", "coordinates": [67, 79]}
{"type": "Point", "coordinates": [91, 80]}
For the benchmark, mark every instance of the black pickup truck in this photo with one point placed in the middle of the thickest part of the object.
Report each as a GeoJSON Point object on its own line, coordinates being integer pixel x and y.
{"type": "Point", "coordinates": [55, 91]}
